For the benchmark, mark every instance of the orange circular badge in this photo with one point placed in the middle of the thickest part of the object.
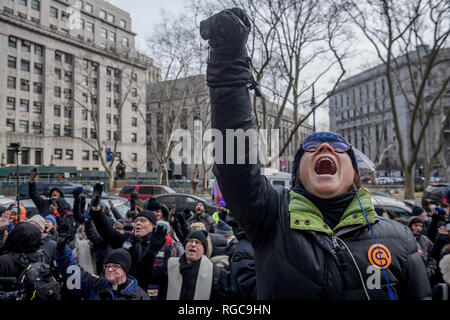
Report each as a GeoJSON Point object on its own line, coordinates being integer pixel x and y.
{"type": "Point", "coordinates": [379, 256]}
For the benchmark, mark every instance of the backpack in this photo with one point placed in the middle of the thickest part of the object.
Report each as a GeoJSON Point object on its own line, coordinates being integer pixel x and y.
{"type": "Point", "coordinates": [37, 283]}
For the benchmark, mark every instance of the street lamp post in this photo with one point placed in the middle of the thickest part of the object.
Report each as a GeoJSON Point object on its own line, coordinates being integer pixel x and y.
{"type": "Point", "coordinates": [313, 104]}
{"type": "Point", "coordinates": [17, 148]}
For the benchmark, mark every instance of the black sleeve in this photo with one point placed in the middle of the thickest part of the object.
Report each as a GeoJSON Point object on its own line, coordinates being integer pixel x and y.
{"type": "Point", "coordinates": [432, 228]}
{"type": "Point", "coordinates": [34, 195]}
{"type": "Point", "coordinates": [92, 233]}
{"type": "Point", "coordinates": [116, 213]}
{"type": "Point", "coordinates": [77, 214]}
{"type": "Point", "coordinates": [114, 238]}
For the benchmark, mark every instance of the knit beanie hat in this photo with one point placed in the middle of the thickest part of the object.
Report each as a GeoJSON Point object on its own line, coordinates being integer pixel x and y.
{"type": "Point", "coordinates": [37, 218]}
{"type": "Point", "coordinates": [153, 205]}
{"type": "Point", "coordinates": [322, 137]}
{"type": "Point", "coordinates": [415, 219]}
{"type": "Point", "coordinates": [147, 214]}
{"type": "Point", "coordinates": [200, 235]}
{"type": "Point", "coordinates": [224, 229]}
{"type": "Point", "coordinates": [119, 256]}
{"type": "Point", "coordinates": [51, 219]}
{"type": "Point", "coordinates": [416, 210]}
{"type": "Point", "coordinates": [222, 203]}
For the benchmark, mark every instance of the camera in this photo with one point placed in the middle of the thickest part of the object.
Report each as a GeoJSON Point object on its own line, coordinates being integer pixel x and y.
{"type": "Point", "coordinates": [16, 146]}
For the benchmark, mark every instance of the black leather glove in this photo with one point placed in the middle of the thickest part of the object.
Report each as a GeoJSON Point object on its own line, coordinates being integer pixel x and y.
{"type": "Point", "coordinates": [63, 240]}
{"type": "Point", "coordinates": [76, 192]}
{"type": "Point", "coordinates": [158, 238]}
{"type": "Point", "coordinates": [97, 195]}
{"type": "Point", "coordinates": [228, 63]}
{"type": "Point", "coordinates": [132, 204]}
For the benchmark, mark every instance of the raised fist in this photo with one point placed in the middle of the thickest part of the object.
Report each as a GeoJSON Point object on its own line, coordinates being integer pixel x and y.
{"type": "Point", "coordinates": [227, 32]}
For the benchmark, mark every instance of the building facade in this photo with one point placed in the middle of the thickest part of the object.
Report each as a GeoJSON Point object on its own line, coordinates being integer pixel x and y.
{"type": "Point", "coordinates": [360, 109]}
{"type": "Point", "coordinates": [72, 84]}
{"type": "Point", "coordinates": [189, 98]}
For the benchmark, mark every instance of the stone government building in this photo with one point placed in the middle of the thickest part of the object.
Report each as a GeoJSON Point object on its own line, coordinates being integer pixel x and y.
{"type": "Point", "coordinates": [62, 63]}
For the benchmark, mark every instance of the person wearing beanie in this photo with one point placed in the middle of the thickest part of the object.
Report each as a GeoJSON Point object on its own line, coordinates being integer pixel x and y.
{"type": "Point", "coordinates": [221, 213]}
{"type": "Point", "coordinates": [310, 240]}
{"type": "Point", "coordinates": [193, 276]}
{"type": "Point", "coordinates": [424, 245]}
{"type": "Point", "coordinates": [224, 229]}
{"type": "Point", "coordinates": [143, 244]}
{"type": "Point", "coordinates": [48, 239]}
{"type": "Point", "coordinates": [38, 221]}
{"type": "Point", "coordinates": [439, 216]}
{"type": "Point", "coordinates": [115, 283]}
{"type": "Point", "coordinates": [200, 215]}
{"type": "Point", "coordinates": [50, 226]}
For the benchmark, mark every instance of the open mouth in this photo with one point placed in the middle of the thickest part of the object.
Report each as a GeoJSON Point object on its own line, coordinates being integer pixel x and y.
{"type": "Point", "coordinates": [325, 165]}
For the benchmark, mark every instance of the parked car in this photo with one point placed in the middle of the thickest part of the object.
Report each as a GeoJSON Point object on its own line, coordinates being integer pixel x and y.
{"type": "Point", "coordinates": [183, 201]}
{"type": "Point", "coordinates": [436, 193]}
{"type": "Point", "coordinates": [395, 208]}
{"type": "Point", "coordinates": [383, 180]}
{"type": "Point", "coordinates": [144, 191]}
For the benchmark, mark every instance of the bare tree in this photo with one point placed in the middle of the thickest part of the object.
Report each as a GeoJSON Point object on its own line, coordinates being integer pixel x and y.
{"type": "Point", "coordinates": [409, 38]}
{"type": "Point", "coordinates": [125, 89]}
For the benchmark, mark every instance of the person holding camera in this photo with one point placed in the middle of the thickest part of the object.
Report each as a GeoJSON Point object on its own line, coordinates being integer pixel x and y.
{"type": "Point", "coordinates": [321, 240]}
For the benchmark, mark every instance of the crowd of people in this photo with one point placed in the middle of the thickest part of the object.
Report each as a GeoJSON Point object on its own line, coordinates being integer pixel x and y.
{"type": "Point", "coordinates": [320, 240]}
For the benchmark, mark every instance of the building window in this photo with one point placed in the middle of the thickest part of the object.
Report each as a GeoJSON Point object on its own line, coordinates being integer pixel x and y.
{"type": "Point", "coordinates": [58, 154]}
{"type": "Point", "coordinates": [64, 16]}
{"type": "Point", "coordinates": [67, 131]}
{"type": "Point", "coordinates": [108, 118]}
{"type": "Point", "coordinates": [133, 92]}
{"type": "Point", "coordinates": [108, 134]}
{"type": "Point", "coordinates": [38, 68]}
{"type": "Point", "coordinates": [24, 85]}
{"type": "Point", "coordinates": [37, 87]}
{"type": "Point", "coordinates": [69, 154]}
{"type": "Point", "coordinates": [134, 157]}
{"type": "Point", "coordinates": [123, 23]}
{"type": "Point", "coordinates": [24, 105]}
{"type": "Point", "coordinates": [84, 115]}
{"type": "Point", "coordinates": [57, 55]}
{"type": "Point", "coordinates": [25, 156]}
{"type": "Point", "coordinates": [94, 100]}
{"type": "Point", "coordinates": [67, 93]}
{"type": "Point", "coordinates": [25, 65]}
{"type": "Point", "coordinates": [104, 33]}
{"type": "Point", "coordinates": [68, 112]}
{"type": "Point", "coordinates": [10, 125]}
{"type": "Point", "coordinates": [125, 42]}
{"type": "Point", "coordinates": [94, 83]}
{"type": "Point", "coordinates": [12, 42]}
{"type": "Point", "coordinates": [90, 26]}
{"type": "Point", "coordinates": [26, 45]}
{"type": "Point", "coordinates": [23, 2]}
{"type": "Point", "coordinates": [36, 4]}
{"type": "Point", "coordinates": [95, 156]}
{"type": "Point", "coordinates": [134, 137]}
{"type": "Point", "coordinates": [118, 155]}
{"type": "Point", "coordinates": [88, 7]}
{"type": "Point", "coordinates": [67, 76]}
{"type": "Point", "coordinates": [93, 133]}
{"type": "Point", "coordinates": [56, 130]}
{"type": "Point", "coordinates": [116, 136]}
{"type": "Point", "coordinates": [23, 126]}
{"type": "Point", "coordinates": [37, 127]}
{"type": "Point", "coordinates": [38, 156]}
{"type": "Point", "coordinates": [79, 4]}
{"type": "Point", "coordinates": [134, 77]}
{"type": "Point", "coordinates": [68, 58]}
{"type": "Point", "coordinates": [10, 156]}
{"type": "Point", "coordinates": [116, 119]}
{"type": "Point", "coordinates": [84, 97]}
{"type": "Point", "coordinates": [58, 73]}
{"type": "Point", "coordinates": [84, 132]}
{"type": "Point", "coordinates": [11, 82]}
{"type": "Point", "coordinates": [112, 36]}
{"type": "Point", "coordinates": [37, 107]}
{"type": "Point", "coordinates": [12, 62]}
{"type": "Point", "coordinates": [110, 18]}
{"type": "Point", "coordinates": [134, 122]}
{"type": "Point", "coordinates": [11, 103]}
{"type": "Point", "coordinates": [53, 12]}
{"type": "Point", "coordinates": [57, 110]}
{"type": "Point", "coordinates": [102, 14]}
{"type": "Point", "coordinates": [85, 154]}
{"type": "Point", "coordinates": [108, 102]}
{"type": "Point", "coordinates": [134, 107]}
{"type": "Point", "coordinates": [57, 92]}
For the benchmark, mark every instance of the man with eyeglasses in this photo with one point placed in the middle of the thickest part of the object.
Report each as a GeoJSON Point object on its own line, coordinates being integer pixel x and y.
{"type": "Point", "coordinates": [321, 239]}
{"type": "Point", "coordinates": [114, 283]}
{"type": "Point", "coordinates": [192, 276]}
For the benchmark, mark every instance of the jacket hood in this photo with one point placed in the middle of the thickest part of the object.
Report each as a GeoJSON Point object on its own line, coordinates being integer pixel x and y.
{"type": "Point", "coordinates": [444, 265]}
{"type": "Point", "coordinates": [24, 238]}
{"type": "Point", "coordinates": [55, 188]}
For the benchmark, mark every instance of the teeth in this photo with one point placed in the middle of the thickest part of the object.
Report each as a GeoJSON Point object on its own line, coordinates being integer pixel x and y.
{"type": "Point", "coordinates": [333, 166]}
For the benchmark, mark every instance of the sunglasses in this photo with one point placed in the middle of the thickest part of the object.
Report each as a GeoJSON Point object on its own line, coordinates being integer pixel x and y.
{"type": "Point", "coordinates": [338, 146]}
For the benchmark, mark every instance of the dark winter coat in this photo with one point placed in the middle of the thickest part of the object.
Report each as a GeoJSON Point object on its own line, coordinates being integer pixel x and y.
{"type": "Point", "coordinates": [297, 256]}
{"type": "Point", "coordinates": [94, 287]}
{"type": "Point", "coordinates": [243, 273]}
{"type": "Point", "coordinates": [204, 218]}
{"type": "Point", "coordinates": [43, 205]}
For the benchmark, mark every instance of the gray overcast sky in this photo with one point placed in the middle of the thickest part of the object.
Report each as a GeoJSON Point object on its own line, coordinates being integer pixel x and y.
{"type": "Point", "coordinates": [146, 13]}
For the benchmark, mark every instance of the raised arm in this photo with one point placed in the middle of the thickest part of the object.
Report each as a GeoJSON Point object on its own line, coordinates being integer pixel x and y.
{"type": "Point", "coordinates": [247, 193]}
